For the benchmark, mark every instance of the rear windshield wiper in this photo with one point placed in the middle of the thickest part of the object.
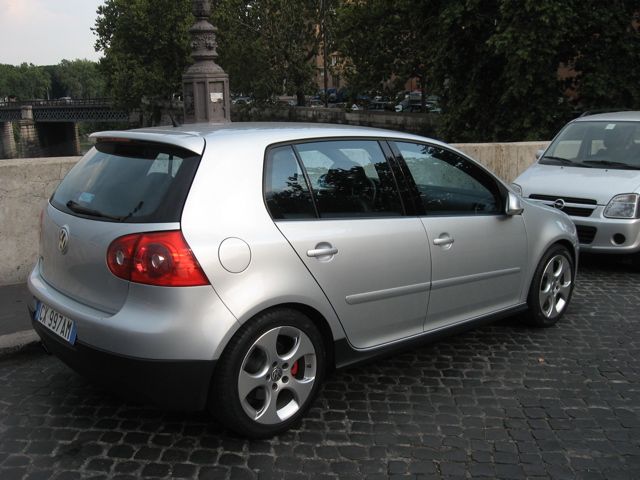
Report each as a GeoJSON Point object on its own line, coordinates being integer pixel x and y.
{"type": "Point", "coordinates": [77, 208]}
{"type": "Point", "coordinates": [611, 163]}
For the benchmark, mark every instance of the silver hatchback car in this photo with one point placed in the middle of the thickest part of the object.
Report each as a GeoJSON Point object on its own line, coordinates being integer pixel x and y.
{"type": "Point", "coordinates": [231, 267]}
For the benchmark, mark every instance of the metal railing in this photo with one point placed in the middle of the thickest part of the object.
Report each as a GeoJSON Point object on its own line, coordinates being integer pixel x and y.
{"type": "Point", "coordinates": [60, 102]}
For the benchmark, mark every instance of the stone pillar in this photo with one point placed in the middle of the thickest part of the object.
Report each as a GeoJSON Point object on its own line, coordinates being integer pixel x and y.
{"type": "Point", "coordinates": [75, 140]}
{"type": "Point", "coordinates": [205, 85]}
{"type": "Point", "coordinates": [29, 140]}
{"type": "Point", "coordinates": [7, 141]}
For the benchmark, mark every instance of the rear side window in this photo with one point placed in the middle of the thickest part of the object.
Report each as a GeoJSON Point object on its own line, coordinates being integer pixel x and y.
{"type": "Point", "coordinates": [350, 178]}
{"type": "Point", "coordinates": [286, 190]}
{"type": "Point", "coordinates": [133, 182]}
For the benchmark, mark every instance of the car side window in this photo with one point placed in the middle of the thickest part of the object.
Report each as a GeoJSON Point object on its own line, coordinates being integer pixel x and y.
{"type": "Point", "coordinates": [350, 178]}
{"type": "Point", "coordinates": [448, 183]}
{"type": "Point", "coordinates": [286, 191]}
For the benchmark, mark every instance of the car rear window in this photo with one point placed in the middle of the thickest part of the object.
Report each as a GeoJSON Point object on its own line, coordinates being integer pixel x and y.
{"type": "Point", "coordinates": [133, 182]}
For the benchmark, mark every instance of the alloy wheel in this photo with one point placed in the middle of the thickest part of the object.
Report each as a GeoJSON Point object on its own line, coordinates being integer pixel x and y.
{"type": "Point", "coordinates": [277, 375]}
{"type": "Point", "coordinates": [555, 286]}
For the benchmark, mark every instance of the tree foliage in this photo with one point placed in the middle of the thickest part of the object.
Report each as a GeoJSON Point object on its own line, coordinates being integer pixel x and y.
{"type": "Point", "coordinates": [146, 48]}
{"type": "Point", "coordinates": [267, 46]}
{"type": "Point", "coordinates": [384, 43]}
{"type": "Point", "coordinates": [495, 63]}
{"type": "Point", "coordinates": [78, 79]}
{"type": "Point", "coordinates": [25, 82]}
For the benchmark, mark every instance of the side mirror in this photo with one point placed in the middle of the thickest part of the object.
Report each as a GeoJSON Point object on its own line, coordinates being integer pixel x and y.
{"type": "Point", "coordinates": [539, 153]}
{"type": "Point", "coordinates": [514, 205]}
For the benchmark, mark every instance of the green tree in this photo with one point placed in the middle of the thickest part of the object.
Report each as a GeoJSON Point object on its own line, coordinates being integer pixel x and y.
{"type": "Point", "coordinates": [385, 43]}
{"type": "Point", "coordinates": [79, 79]}
{"type": "Point", "coordinates": [267, 46]}
{"type": "Point", "coordinates": [495, 62]}
{"type": "Point", "coordinates": [607, 59]}
{"type": "Point", "coordinates": [25, 82]}
{"type": "Point", "coordinates": [146, 48]}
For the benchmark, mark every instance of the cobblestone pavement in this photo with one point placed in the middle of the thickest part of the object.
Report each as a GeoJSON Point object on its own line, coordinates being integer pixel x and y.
{"type": "Point", "coordinates": [504, 401]}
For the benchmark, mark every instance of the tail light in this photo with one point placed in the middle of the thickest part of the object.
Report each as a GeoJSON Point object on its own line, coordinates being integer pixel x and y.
{"type": "Point", "coordinates": [155, 258]}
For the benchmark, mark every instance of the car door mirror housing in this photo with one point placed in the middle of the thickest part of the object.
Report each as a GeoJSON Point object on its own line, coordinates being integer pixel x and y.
{"type": "Point", "coordinates": [514, 204]}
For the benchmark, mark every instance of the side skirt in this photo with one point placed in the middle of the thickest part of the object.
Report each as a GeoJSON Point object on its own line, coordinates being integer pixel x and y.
{"type": "Point", "coordinates": [346, 355]}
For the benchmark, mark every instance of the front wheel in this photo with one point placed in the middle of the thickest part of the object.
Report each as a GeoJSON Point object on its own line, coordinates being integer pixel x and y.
{"type": "Point", "coordinates": [551, 287]}
{"type": "Point", "coordinates": [269, 374]}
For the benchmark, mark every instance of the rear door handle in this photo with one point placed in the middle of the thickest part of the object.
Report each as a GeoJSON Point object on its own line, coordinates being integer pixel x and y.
{"type": "Point", "coordinates": [443, 240]}
{"type": "Point", "coordinates": [322, 252]}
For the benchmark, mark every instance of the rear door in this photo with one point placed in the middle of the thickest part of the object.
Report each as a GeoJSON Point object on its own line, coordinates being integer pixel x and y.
{"type": "Point", "coordinates": [478, 253]}
{"type": "Point", "coordinates": [119, 187]}
{"type": "Point", "coordinates": [337, 204]}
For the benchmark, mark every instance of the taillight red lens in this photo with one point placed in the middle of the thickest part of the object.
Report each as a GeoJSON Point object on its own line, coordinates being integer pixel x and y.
{"type": "Point", "coordinates": [155, 258]}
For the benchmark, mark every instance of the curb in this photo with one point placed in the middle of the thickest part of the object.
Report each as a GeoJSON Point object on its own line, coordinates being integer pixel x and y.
{"type": "Point", "coordinates": [16, 342]}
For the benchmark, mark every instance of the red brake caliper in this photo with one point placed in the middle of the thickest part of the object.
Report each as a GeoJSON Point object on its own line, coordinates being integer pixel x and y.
{"type": "Point", "coordinates": [294, 368]}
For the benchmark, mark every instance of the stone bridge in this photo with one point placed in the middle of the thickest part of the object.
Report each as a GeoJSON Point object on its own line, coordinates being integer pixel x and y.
{"type": "Point", "coordinates": [50, 127]}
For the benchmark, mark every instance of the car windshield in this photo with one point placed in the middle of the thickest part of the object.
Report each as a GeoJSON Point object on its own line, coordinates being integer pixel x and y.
{"type": "Point", "coordinates": [596, 144]}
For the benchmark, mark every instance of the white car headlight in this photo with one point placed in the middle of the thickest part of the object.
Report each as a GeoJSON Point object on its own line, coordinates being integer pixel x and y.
{"type": "Point", "coordinates": [517, 188]}
{"type": "Point", "coordinates": [623, 206]}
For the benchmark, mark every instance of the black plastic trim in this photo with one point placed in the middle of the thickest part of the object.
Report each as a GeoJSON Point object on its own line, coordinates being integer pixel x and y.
{"type": "Point", "coordinates": [173, 384]}
{"type": "Point", "coordinates": [346, 355]}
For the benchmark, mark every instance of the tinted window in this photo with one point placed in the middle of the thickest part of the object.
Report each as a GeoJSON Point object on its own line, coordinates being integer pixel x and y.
{"type": "Point", "coordinates": [286, 190]}
{"type": "Point", "coordinates": [350, 178]}
{"type": "Point", "coordinates": [128, 182]}
{"type": "Point", "coordinates": [448, 183]}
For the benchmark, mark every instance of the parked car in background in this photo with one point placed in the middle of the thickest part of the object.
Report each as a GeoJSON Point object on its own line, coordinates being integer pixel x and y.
{"type": "Point", "coordinates": [591, 172]}
{"type": "Point", "coordinates": [232, 266]}
{"type": "Point", "coordinates": [412, 102]}
{"type": "Point", "coordinates": [242, 101]}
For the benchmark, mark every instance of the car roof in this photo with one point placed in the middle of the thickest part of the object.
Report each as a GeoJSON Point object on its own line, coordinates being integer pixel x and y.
{"type": "Point", "coordinates": [628, 116]}
{"type": "Point", "coordinates": [193, 136]}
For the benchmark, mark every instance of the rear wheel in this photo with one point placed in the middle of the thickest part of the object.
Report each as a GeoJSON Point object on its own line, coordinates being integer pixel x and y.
{"type": "Point", "coordinates": [551, 288]}
{"type": "Point", "coordinates": [269, 374]}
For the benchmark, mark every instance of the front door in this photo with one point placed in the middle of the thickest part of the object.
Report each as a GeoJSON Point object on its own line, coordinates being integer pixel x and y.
{"type": "Point", "coordinates": [477, 252]}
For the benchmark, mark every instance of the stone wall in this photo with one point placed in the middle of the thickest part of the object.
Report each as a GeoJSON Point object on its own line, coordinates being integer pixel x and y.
{"type": "Point", "coordinates": [507, 160]}
{"type": "Point", "coordinates": [420, 123]}
{"type": "Point", "coordinates": [26, 184]}
{"type": "Point", "coordinates": [7, 141]}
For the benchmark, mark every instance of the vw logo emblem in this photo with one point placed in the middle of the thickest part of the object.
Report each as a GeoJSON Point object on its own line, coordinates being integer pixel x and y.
{"type": "Point", "coordinates": [276, 374]}
{"type": "Point", "coordinates": [559, 204]}
{"type": "Point", "coordinates": [63, 239]}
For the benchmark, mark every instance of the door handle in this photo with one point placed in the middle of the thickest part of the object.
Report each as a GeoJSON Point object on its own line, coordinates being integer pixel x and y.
{"type": "Point", "coordinates": [322, 252]}
{"type": "Point", "coordinates": [443, 240]}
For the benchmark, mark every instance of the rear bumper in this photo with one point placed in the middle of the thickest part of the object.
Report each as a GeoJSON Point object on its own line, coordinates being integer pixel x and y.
{"type": "Point", "coordinates": [172, 384]}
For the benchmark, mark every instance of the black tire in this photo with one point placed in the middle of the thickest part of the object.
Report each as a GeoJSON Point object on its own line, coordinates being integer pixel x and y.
{"type": "Point", "coordinates": [248, 359]}
{"type": "Point", "coordinates": [551, 287]}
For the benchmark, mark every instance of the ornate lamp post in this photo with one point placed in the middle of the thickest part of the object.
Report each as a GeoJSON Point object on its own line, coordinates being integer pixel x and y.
{"type": "Point", "coordinates": [205, 85]}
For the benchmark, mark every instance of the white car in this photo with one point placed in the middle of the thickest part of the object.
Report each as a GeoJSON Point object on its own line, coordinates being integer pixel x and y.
{"type": "Point", "coordinates": [591, 172]}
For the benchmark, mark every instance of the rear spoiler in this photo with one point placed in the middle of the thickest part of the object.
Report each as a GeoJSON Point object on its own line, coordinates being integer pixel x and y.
{"type": "Point", "coordinates": [188, 141]}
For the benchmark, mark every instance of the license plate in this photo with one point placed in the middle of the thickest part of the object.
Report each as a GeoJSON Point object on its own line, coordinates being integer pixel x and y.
{"type": "Point", "coordinates": [56, 322]}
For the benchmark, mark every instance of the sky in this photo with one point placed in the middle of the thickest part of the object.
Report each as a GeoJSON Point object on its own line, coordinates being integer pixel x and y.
{"type": "Point", "coordinates": [43, 32]}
